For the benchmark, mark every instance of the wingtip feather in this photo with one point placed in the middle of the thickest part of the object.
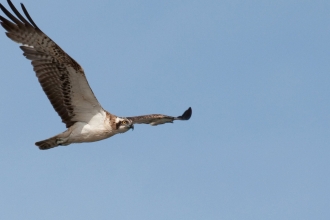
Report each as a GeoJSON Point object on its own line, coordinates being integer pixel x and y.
{"type": "Point", "coordinates": [186, 115]}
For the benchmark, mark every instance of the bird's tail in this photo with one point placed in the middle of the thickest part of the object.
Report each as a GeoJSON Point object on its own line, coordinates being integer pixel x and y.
{"type": "Point", "coordinates": [60, 139]}
{"type": "Point", "coordinates": [48, 143]}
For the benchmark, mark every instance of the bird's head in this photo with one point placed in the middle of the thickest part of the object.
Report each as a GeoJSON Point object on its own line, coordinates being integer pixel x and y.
{"type": "Point", "coordinates": [124, 124]}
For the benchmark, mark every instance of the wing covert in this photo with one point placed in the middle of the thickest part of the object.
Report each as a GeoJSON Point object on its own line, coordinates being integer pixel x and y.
{"type": "Point", "coordinates": [61, 77]}
{"type": "Point", "coordinates": [157, 119]}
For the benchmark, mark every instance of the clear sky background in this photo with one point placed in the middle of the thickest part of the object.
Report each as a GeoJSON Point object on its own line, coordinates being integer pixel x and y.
{"type": "Point", "coordinates": [256, 74]}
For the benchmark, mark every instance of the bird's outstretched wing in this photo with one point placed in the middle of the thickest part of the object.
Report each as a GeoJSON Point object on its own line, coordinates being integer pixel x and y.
{"type": "Point", "coordinates": [157, 119]}
{"type": "Point", "coordinates": [61, 77]}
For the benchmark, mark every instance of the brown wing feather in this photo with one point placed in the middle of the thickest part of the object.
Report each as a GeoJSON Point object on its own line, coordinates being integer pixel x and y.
{"type": "Point", "coordinates": [157, 119]}
{"type": "Point", "coordinates": [54, 68]}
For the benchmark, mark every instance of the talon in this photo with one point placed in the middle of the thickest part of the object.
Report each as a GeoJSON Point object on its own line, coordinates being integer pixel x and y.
{"type": "Point", "coordinates": [61, 141]}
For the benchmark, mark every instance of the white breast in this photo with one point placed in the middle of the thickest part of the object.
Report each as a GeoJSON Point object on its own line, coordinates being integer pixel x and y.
{"type": "Point", "coordinates": [98, 128]}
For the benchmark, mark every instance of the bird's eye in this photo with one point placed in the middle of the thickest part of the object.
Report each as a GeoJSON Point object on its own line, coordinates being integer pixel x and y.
{"type": "Point", "coordinates": [124, 122]}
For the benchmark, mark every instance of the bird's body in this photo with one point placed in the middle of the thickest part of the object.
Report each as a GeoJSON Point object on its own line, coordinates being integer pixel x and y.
{"type": "Point", "coordinates": [90, 131]}
{"type": "Point", "coordinates": [65, 84]}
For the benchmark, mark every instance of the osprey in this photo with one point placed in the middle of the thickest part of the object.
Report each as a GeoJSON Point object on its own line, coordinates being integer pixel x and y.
{"type": "Point", "coordinates": [65, 84]}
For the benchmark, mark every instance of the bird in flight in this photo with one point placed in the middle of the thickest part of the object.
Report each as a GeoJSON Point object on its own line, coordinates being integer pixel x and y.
{"type": "Point", "coordinates": [65, 84]}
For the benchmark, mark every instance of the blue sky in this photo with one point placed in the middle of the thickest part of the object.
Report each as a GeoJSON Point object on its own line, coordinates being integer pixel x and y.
{"type": "Point", "coordinates": [256, 74]}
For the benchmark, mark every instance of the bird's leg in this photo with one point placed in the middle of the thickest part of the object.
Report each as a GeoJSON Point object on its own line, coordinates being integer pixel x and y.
{"type": "Point", "coordinates": [62, 141]}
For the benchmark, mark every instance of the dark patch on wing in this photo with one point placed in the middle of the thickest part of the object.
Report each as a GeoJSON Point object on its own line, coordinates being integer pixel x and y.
{"type": "Point", "coordinates": [186, 115]}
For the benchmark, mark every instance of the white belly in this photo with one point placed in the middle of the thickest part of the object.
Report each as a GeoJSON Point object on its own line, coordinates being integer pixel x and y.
{"type": "Point", "coordinates": [83, 132]}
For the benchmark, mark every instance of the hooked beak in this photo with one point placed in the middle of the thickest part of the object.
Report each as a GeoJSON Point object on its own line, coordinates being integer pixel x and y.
{"type": "Point", "coordinates": [132, 127]}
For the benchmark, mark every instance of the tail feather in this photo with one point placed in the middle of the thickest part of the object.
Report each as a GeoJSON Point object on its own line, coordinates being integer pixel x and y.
{"type": "Point", "coordinates": [48, 143]}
